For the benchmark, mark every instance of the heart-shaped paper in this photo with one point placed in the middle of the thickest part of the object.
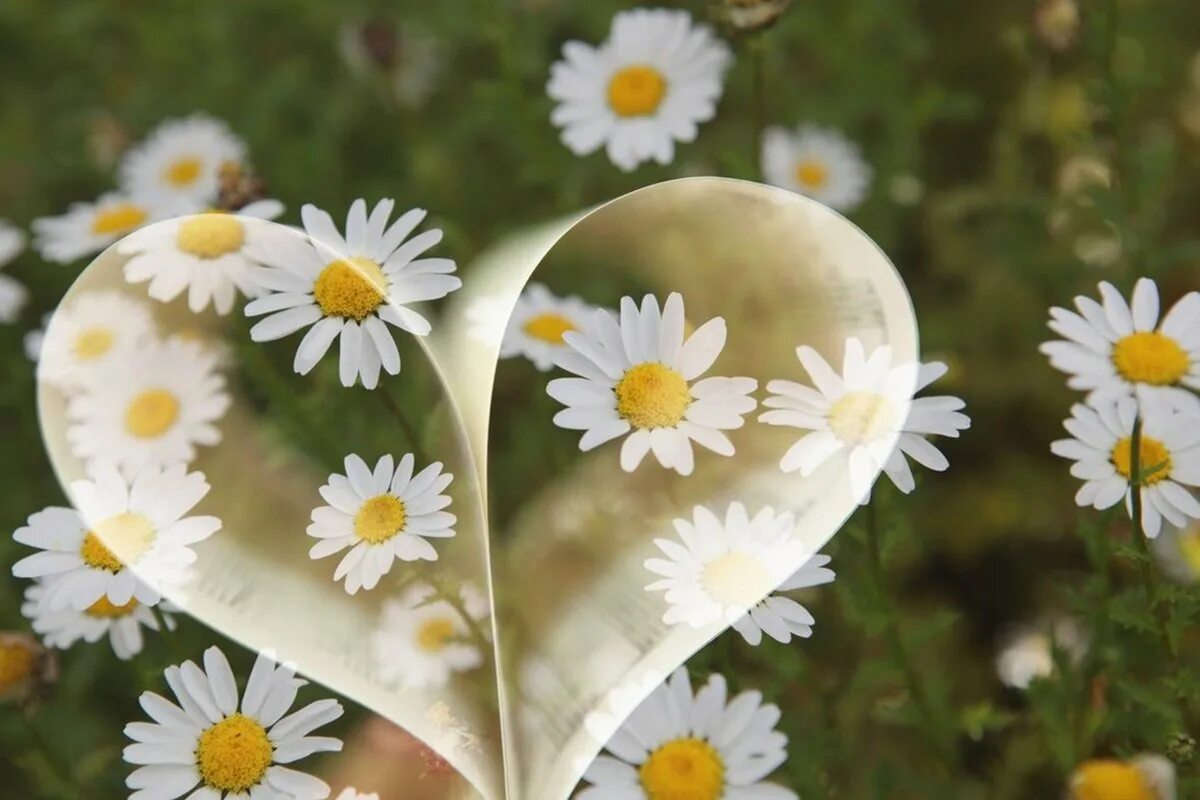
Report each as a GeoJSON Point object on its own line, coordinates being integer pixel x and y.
{"type": "Point", "coordinates": [578, 640]}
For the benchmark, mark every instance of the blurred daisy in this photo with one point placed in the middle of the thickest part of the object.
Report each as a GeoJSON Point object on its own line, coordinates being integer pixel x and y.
{"type": "Point", "coordinates": [349, 287]}
{"type": "Point", "coordinates": [1144, 777]}
{"type": "Point", "coordinates": [746, 16]}
{"type": "Point", "coordinates": [25, 667]}
{"type": "Point", "coordinates": [206, 747]}
{"type": "Point", "coordinates": [203, 254]}
{"type": "Point", "coordinates": [820, 163]}
{"type": "Point", "coordinates": [153, 409]}
{"type": "Point", "coordinates": [868, 412]}
{"type": "Point", "coordinates": [421, 641]}
{"type": "Point", "coordinates": [12, 242]}
{"type": "Point", "coordinates": [178, 164]}
{"type": "Point", "coordinates": [122, 624]}
{"type": "Point", "coordinates": [120, 528]}
{"type": "Point", "coordinates": [90, 336]}
{"type": "Point", "coordinates": [1177, 551]}
{"type": "Point", "coordinates": [1116, 349]}
{"type": "Point", "coordinates": [88, 228]}
{"type": "Point", "coordinates": [779, 617]}
{"type": "Point", "coordinates": [656, 77]}
{"type": "Point", "coordinates": [538, 322]}
{"type": "Point", "coordinates": [13, 294]}
{"type": "Point", "coordinates": [722, 568]}
{"type": "Point", "coordinates": [408, 58]}
{"type": "Point", "coordinates": [677, 745]}
{"type": "Point", "coordinates": [1102, 452]}
{"type": "Point", "coordinates": [353, 794]}
{"type": "Point", "coordinates": [382, 516]}
{"type": "Point", "coordinates": [636, 375]}
{"type": "Point", "coordinates": [1027, 653]}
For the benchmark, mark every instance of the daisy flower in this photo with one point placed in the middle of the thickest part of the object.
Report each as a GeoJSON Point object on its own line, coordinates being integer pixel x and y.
{"type": "Point", "coordinates": [1145, 777]}
{"type": "Point", "coordinates": [210, 745]}
{"type": "Point", "coordinates": [349, 287]}
{"type": "Point", "coordinates": [25, 667]}
{"type": "Point", "coordinates": [13, 294]}
{"type": "Point", "coordinates": [382, 515]}
{"type": "Point", "coordinates": [1102, 452]}
{"type": "Point", "coordinates": [1177, 551]}
{"type": "Point", "coordinates": [538, 322]}
{"type": "Point", "coordinates": [12, 242]}
{"type": "Point", "coordinates": [649, 85]}
{"type": "Point", "coordinates": [867, 413]}
{"type": "Point", "coordinates": [122, 624]}
{"type": "Point", "coordinates": [89, 337]}
{"type": "Point", "coordinates": [154, 409]}
{"type": "Point", "coordinates": [722, 568]}
{"type": "Point", "coordinates": [421, 641]}
{"type": "Point", "coordinates": [636, 375]}
{"type": "Point", "coordinates": [779, 617]}
{"type": "Point", "coordinates": [120, 528]}
{"type": "Point", "coordinates": [88, 228]}
{"type": "Point", "coordinates": [178, 164]}
{"type": "Point", "coordinates": [353, 794]}
{"type": "Point", "coordinates": [202, 254]}
{"type": "Point", "coordinates": [1116, 348]}
{"type": "Point", "coordinates": [1027, 654]}
{"type": "Point", "coordinates": [820, 163]}
{"type": "Point", "coordinates": [702, 746]}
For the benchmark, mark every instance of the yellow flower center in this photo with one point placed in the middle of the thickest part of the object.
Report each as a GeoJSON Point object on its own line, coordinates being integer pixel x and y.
{"type": "Point", "coordinates": [735, 579]}
{"type": "Point", "coordinates": [1110, 780]}
{"type": "Point", "coordinates": [106, 609]}
{"type": "Point", "coordinates": [812, 174]}
{"type": "Point", "coordinates": [434, 635]}
{"type": "Point", "coordinates": [652, 395]}
{"type": "Point", "coordinates": [92, 343]}
{"type": "Point", "coordinates": [117, 218]}
{"type": "Point", "coordinates": [1152, 453]}
{"type": "Point", "coordinates": [636, 91]}
{"type": "Point", "coordinates": [380, 518]}
{"type": "Point", "coordinates": [548, 327]}
{"type": "Point", "coordinates": [860, 417]}
{"type": "Point", "coordinates": [151, 413]}
{"type": "Point", "coordinates": [683, 769]}
{"type": "Point", "coordinates": [1150, 357]}
{"type": "Point", "coordinates": [350, 288]}
{"type": "Point", "coordinates": [119, 540]}
{"type": "Point", "coordinates": [233, 755]}
{"type": "Point", "coordinates": [17, 661]}
{"type": "Point", "coordinates": [183, 172]}
{"type": "Point", "coordinates": [211, 235]}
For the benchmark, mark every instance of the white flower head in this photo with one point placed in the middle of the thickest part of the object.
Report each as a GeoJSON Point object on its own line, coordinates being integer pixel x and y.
{"type": "Point", "coordinates": [154, 409]}
{"type": "Point", "coordinates": [1169, 459]}
{"type": "Point", "coordinates": [422, 640]}
{"type": "Point", "coordinates": [177, 166]}
{"type": "Point", "coordinates": [204, 255]}
{"type": "Point", "coordinates": [780, 617]}
{"type": "Point", "coordinates": [706, 745]}
{"type": "Point", "coordinates": [649, 85]}
{"type": "Point", "coordinates": [88, 338]}
{"type": "Point", "coordinates": [538, 322]}
{"type": "Point", "coordinates": [817, 162]}
{"type": "Point", "coordinates": [210, 744]}
{"type": "Point", "coordinates": [61, 628]}
{"type": "Point", "coordinates": [13, 294]}
{"type": "Point", "coordinates": [126, 540]}
{"type": "Point", "coordinates": [347, 288]}
{"type": "Point", "coordinates": [383, 515]}
{"type": "Point", "coordinates": [640, 375]}
{"type": "Point", "coordinates": [1113, 349]}
{"type": "Point", "coordinates": [87, 228]}
{"type": "Point", "coordinates": [619, 702]}
{"type": "Point", "coordinates": [12, 242]}
{"type": "Point", "coordinates": [867, 413]}
{"type": "Point", "coordinates": [1027, 653]}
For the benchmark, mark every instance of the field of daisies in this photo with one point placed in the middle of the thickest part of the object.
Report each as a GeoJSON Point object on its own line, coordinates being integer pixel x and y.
{"type": "Point", "coordinates": [1010, 611]}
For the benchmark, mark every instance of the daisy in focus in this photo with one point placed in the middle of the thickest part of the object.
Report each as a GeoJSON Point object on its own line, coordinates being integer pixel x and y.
{"type": "Point", "coordinates": [151, 410]}
{"type": "Point", "coordinates": [1144, 777]}
{"type": "Point", "coordinates": [122, 624]}
{"type": "Point", "coordinates": [87, 228]}
{"type": "Point", "coordinates": [202, 254]}
{"type": "Point", "coordinates": [13, 294]}
{"type": "Point", "coordinates": [421, 640]}
{"type": "Point", "coordinates": [538, 322]}
{"type": "Point", "coordinates": [211, 745]}
{"type": "Point", "coordinates": [1027, 653]}
{"type": "Point", "coordinates": [1114, 348]}
{"type": "Point", "coordinates": [706, 746]}
{"type": "Point", "coordinates": [780, 617]}
{"type": "Point", "coordinates": [346, 289]}
{"type": "Point", "coordinates": [649, 85]}
{"type": "Point", "coordinates": [89, 336]}
{"type": "Point", "coordinates": [120, 528]}
{"type": "Point", "coordinates": [1168, 458]}
{"type": "Point", "coordinates": [820, 163]}
{"type": "Point", "coordinates": [867, 413]}
{"type": "Point", "coordinates": [178, 165]}
{"type": "Point", "coordinates": [640, 375]}
{"type": "Point", "coordinates": [381, 515]}
{"type": "Point", "coordinates": [721, 569]}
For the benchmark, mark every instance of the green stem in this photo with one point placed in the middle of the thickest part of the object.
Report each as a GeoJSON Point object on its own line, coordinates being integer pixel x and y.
{"type": "Point", "coordinates": [454, 600]}
{"type": "Point", "coordinates": [1145, 563]}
